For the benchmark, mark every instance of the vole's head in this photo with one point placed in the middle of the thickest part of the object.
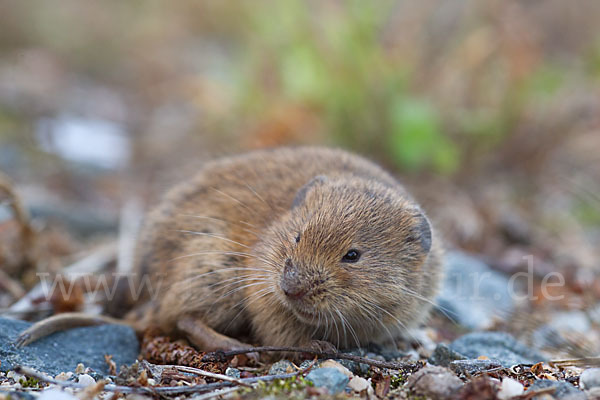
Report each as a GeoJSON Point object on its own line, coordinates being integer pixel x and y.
{"type": "Point", "coordinates": [349, 250]}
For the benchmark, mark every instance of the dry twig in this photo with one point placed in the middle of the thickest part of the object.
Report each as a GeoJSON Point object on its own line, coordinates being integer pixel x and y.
{"type": "Point", "coordinates": [217, 355]}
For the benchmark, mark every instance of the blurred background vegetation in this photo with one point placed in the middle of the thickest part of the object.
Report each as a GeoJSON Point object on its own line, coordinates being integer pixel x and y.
{"type": "Point", "coordinates": [488, 110]}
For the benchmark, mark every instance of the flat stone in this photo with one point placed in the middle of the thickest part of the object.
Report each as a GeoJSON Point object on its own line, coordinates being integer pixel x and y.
{"type": "Point", "coordinates": [330, 378]}
{"type": "Point", "coordinates": [590, 378]}
{"type": "Point", "coordinates": [496, 345]}
{"type": "Point", "coordinates": [358, 384]}
{"type": "Point", "coordinates": [443, 356]}
{"type": "Point", "coordinates": [281, 367]}
{"type": "Point", "coordinates": [62, 351]}
{"type": "Point", "coordinates": [470, 367]}
{"type": "Point", "coordinates": [570, 321]}
{"type": "Point", "coordinates": [564, 390]}
{"type": "Point", "coordinates": [472, 293]}
{"type": "Point", "coordinates": [434, 382]}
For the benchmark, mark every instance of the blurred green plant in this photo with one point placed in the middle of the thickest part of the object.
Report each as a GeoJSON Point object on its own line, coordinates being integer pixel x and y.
{"type": "Point", "coordinates": [342, 70]}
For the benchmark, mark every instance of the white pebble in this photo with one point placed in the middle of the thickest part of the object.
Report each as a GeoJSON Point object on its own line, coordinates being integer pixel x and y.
{"type": "Point", "coordinates": [358, 384]}
{"type": "Point", "coordinates": [86, 380]}
{"type": "Point", "coordinates": [64, 376]}
{"type": "Point", "coordinates": [14, 375]}
{"type": "Point", "coordinates": [510, 388]}
{"type": "Point", "coordinates": [590, 378]}
{"type": "Point", "coordinates": [336, 365]}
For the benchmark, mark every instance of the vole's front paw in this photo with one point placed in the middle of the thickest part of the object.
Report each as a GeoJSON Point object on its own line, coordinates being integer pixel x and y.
{"type": "Point", "coordinates": [205, 338]}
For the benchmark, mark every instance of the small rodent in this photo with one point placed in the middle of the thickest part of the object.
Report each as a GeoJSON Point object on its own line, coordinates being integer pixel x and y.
{"type": "Point", "coordinates": [286, 247]}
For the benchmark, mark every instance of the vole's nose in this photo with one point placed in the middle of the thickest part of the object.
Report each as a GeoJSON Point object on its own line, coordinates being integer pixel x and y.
{"type": "Point", "coordinates": [291, 282]}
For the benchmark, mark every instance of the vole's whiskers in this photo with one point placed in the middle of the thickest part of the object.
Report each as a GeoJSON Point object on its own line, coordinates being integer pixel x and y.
{"type": "Point", "coordinates": [343, 320]}
{"type": "Point", "coordinates": [337, 331]}
{"type": "Point", "coordinates": [380, 322]}
{"type": "Point", "coordinates": [229, 269]}
{"type": "Point", "coordinates": [259, 294]}
{"type": "Point", "coordinates": [353, 333]}
{"type": "Point", "coordinates": [399, 323]}
{"type": "Point", "coordinates": [254, 279]}
{"type": "Point", "coordinates": [442, 309]}
{"type": "Point", "coordinates": [255, 193]}
{"type": "Point", "coordinates": [212, 235]}
{"type": "Point", "coordinates": [234, 199]}
{"type": "Point", "coordinates": [229, 253]}
{"type": "Point", "coordinates": [238, 223]}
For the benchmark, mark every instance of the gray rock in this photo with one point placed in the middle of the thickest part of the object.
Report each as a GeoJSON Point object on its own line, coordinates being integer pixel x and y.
{"type": "Point", "coordinates": [564, 390]}
{"type": "Point", "coordinates": [306, 363]}
{"type": "Point", "coordinates": [571, 321]}
{"type": "Point", "coordinates": [470, 367]}
{"type": "Point", "coordinates": [281, 367]}
{"type": "Point", "coordinates": [351, 365]}
{"type": "Point", "coordinates": [434, 382]}
{"type": "Point", "coordinates": [590, 378]}
{"type": "Point", "coordinates": [472, 293]}
{"type": "Point", "coordinates": [62, 351]}
{"type": "Point", "coordinates": [233, 372]}
{"type": "Point", "coordinates": [496, 345]}
{"type": "Point", "coordinates": [331, 378]}
{"type": "Point", "coordinates": [443, 356]}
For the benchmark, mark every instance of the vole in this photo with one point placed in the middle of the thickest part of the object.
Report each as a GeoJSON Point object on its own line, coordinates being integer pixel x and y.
{"type": "Point", "coordinates": [285, 247]}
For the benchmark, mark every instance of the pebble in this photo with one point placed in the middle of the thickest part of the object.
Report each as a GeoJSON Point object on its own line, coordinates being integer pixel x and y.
{"type": "Point", "coordinates": [564, 390]}
{"type": "Point", "coordinates": [473, 294]}
{"type": "Point", "coordinates": [64, 376]}
{"type": "Point", "coordinates": [358, 384]}
{"type": "Point", "coordinates": [434, 382]}
{"type": "Point", "coordinates": [306, 363]}
{"type": "Point", "coordinates": [496, 345]}
{"type": "Point", "coordinates": [510, 388]}
{"type": "Point", "coordinates": [62, 351]}
{"type": "Point", "coordinates": [282, 367]}
{"type": "Point", "coordinates": [233, 372]}
{"type": "Point", "coordinates": [443, 356]}
{"type": "Point", "coordinates": [330, 378]}
{"type": "Point", "coordinates": [590, 378]}
{"type": "Point", "coordinates": [338, 366]}
{"type": "Point", "coordinates": [570, 321]}
{"type": "Point", "coordinates": [86, 380]}
{"type": "Point", "coordinates": [470, 367]}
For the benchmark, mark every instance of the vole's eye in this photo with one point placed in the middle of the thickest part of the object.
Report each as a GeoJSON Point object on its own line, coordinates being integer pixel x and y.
{"type": "Point", "coordinates": [298, 238]}
{"type": "Point", "coordinates": [351, 256]}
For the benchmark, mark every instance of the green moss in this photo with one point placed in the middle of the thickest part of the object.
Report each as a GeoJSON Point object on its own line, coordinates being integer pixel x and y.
{"type": "Point", "coordinates": [28, 382]}
{"type": "Point", "coordinates": [288, 388]}
{"type": "Point", "coordinates": [397, 381]}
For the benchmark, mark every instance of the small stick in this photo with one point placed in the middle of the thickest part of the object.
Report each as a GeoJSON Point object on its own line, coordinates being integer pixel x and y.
{"type": "Point", "coordinates": [320, 354]}
{"type": "Point", "coordinates": [215, 393]}
{"type": "Point", "coordinates": [209, 374]}
{"type": "Point", "coordinates": [580, 362]}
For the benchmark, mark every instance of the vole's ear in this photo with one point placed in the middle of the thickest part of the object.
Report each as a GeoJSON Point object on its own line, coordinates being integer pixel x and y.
{"type": "Point", "coordinates": [301, 195]}
{"type": "Point", "coordinates": [421, 232]}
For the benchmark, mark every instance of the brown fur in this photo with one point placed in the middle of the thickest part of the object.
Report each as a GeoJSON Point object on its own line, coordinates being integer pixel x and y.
{"type": "Point", "coordinates": [218, 245]}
